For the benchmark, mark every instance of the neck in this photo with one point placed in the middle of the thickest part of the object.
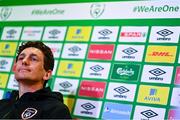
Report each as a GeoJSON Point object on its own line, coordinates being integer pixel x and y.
{"type": "Point", "coordinates": [24, 88]}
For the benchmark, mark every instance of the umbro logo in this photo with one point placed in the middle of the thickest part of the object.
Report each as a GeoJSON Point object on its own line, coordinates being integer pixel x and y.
{"type": "Point", "coordinates": [121, 89]}
{"type": "Point", "coordinates": [149, 114]}
{"type": "Point", "coordinates": [165, 32]}
{"type": "Point", "coordinates": [65, 84]}
{"type": "Point", "coordinates": [74, 49]}
{"type": "Point", "coordinates": [88, 106]}
{"type": "Point", "coordinates": [105, 32]}
{"type": "Point", "coordinates": [54, 32]}
{"type": "Point", "coordinates": [96, 68]}
{"type": "Point", "coordinates": [157, 72]}
{"type": "Point", "coordinates": [129, 51]}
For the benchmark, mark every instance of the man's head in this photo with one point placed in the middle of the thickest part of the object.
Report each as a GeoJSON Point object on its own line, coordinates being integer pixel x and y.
{"type": "Point", "coordinates": [34, 61]}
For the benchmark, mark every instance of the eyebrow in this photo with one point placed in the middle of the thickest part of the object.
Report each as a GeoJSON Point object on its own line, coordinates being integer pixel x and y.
{"type": "Point", "coordinates": [31, 55]}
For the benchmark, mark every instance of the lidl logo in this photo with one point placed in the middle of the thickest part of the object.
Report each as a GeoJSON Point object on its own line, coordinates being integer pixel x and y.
{"type": "Point", "coordinates": [66, 86]}
{"type": "Point", "coordinates": [3, 80]}
{"type": "Point", "coordinates": [8, 48]}
{"type": "Point", "coordinates": [177, 78]}
{"type": "Point", "coordinates": [157, 74]}
{"type": "Point", "coordinates": [70, 68]}
{"type": "Point", "coordinates": [92, 89]}
{"type": "Point", "coordinates": [88, 108]}
{"type": "Point", "coordinates": [148, 113]}
{"type": "Point", "coordinates": [78, 33]}
{"type": "Point", "coordinates": [164, 54]}
{"type": "Point", "coordinates": [105, 33]}
{"type": "Point", "coordinates": [116, 111]}
{"type": "Point", "coordinates": [121, 91]}
{"type": "Point", "coordinates": [101, 51]}
{"type": "Point", "coordinates": [125, 72]}
{"type": "Point", "coordinates": [153, 94]}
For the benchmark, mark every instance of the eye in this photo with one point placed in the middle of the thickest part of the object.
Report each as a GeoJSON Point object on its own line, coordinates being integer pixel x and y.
{"type": "Point", "coordinates": [20, 58]}
{"type": "Point", "coordinates": [34, 58]}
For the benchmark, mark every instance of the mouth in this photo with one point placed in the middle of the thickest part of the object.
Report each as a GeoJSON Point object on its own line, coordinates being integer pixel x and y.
{"type": "Point", "coordinates": [24, 70]}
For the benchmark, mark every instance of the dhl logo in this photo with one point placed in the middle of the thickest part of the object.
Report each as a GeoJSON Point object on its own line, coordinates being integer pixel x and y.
{"type": "Point", "coordinates": [161, 54]}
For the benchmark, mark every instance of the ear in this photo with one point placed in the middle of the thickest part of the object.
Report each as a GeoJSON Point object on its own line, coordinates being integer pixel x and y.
{"type": "Point", "coordinates": [47, 75]}
{"type": "Point", "coordinates": [14, 67]}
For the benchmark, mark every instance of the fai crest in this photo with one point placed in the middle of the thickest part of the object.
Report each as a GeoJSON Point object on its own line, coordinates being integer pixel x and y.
{"type": "Point", "coordinates": [28, 113]}
{"type": "Point", "coordinates": [5, 13]}
{"type": "Point", "coordinates": [97, 10]}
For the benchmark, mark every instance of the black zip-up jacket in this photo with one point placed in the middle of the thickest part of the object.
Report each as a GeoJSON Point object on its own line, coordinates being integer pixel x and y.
{"type": "Point", "coordinates": [42, 104]}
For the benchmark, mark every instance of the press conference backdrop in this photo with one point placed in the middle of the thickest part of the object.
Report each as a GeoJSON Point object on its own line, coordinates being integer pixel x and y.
{"type": "Point", "coordinates": [113, 60]}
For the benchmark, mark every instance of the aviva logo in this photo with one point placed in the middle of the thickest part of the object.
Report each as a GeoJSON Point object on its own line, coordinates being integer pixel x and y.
{"type": "Point", "coordinates": [8, 48]}
{"type": "Point", "coordinates": [78, 33]}
{"type": "Point", "coordinates": [70, 68]}
{"type": "Point", "coordinates": [153, 94]}
{"type": "Point", "coordinates": [165, 54]}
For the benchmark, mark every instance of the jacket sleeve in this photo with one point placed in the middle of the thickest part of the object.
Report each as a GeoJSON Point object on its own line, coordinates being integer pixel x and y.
{"type": "Point", "coordinates": [61, 112]}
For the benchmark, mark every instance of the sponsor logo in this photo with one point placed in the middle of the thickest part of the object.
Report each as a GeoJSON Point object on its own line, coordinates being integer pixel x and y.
{"type": "Point", "coordinates": [96, 68]}
{"type": "Point", "coordinates": [125, 72]}
{"type": "Point", "coordinates": [153, 94]}
{"type": "Point", "coordinates": [174, 114]}
{"type": "Point", "coordinates": [65, 85]}
{"type": "Point", "coordinates": [74, 50]}
{"type": "Point", "coordinates": [8, 48]}
{"type": "Point", "coordinates": [55, 48]}
{"type": "Point", "coordinates": [175, 99]}
{"type": "Point", "coordinates": [96, 10]}
{"type": "Point", "coordinates": [105, 33]}
{"type": "Point", "coordinates": [54, 33]}
{"type": "Point", "coordinates": [149, 114]}
{"type": "Point", "coordinates": [29, 113]}
{"type": "Point", "coordinates": [156, 72]}
{"type": "Point", "coordinates": [116, 111]}
{"type": "Point", "coordinates": [3, 80]}
{"type": "Point", "coordinates": [101, 51]}
{"type": "Point", "coordinates": [87, 107]}
{"type": "Point", "coordinates": [177, 79]}
{"type": "Point", "coordinates": [121, 90]}
{"type": "Point", "coordinates": [3, 64]}
{"type": "Point", "coordinates": [70, 68]}
{"type": "Point", "coordinates": [78, 33]}
{"type": "Point", "coordinates": [164, 33]}
{"type": "Point", "coordinates": [165, 54]}
{"type": "Point", "coordinates": [129, 51]}
{"type": "Point", "coordinates": [133, 34]}
{"type": "Point", "coordinates": [32, 33]}
{"type": "Point", "coordinates": [11, 33]}
{"type": "Point", "coordinates": [5, 13]}
{"type": "Point", "coordinates": [92, 89]}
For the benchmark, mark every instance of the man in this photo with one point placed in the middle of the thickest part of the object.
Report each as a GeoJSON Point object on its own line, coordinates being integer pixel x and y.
{"type": "Point", "coordinates": [33, 68]}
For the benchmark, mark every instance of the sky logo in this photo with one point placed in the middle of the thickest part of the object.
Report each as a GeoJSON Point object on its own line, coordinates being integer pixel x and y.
{"type": "Point", "coordinates": [116, 111]}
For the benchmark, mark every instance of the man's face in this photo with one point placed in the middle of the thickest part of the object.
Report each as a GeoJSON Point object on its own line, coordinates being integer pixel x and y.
{"type": "Point", "coordinates": [29, 67]}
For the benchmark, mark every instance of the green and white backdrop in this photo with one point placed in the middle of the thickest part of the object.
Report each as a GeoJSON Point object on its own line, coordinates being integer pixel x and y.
{"type": "Point", "coordinates": [113, 59]}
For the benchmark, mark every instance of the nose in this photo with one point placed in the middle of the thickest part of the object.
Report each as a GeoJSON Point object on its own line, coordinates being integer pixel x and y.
{"type": "Point", "coordinates": [25, 61]}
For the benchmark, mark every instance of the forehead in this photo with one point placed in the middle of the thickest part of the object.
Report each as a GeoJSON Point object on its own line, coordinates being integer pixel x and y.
{"type": "Point", "coordinates": [32, 50]}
